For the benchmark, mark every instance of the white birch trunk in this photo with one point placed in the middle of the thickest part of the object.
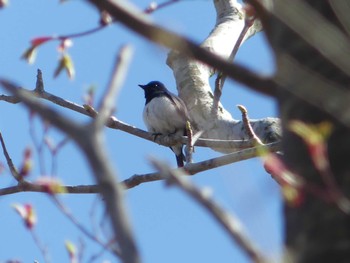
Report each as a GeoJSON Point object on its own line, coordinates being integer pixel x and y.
{"type": "Point", "coordinates": [192, 79]}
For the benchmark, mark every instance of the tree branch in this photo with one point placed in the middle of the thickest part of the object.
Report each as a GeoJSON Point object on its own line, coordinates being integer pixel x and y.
{"type": "Point", "coordinates": [117, 79]}
{"type": "Point", "coordinates": [31, 187]}
{"type": "Point", "coordinates": [90, 141]}
{"type": "Point", "coordinates": [228, 221]}
{"type": "Point", "coordinates": [114, 123]}
{"type": "Point", "coordinates": [135, 20]}
{"type": "Point", "coordinates": [10, 164]}
{"type": "Point", "coordinates": [194, 168]}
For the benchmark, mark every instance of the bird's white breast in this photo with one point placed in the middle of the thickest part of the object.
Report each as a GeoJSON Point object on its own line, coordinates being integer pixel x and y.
{"type": "Point", "coordinates": [161, 116]}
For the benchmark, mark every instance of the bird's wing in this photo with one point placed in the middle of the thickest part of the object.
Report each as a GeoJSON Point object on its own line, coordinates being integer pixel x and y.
{"type": "Point", "coordinates": [180, 105]}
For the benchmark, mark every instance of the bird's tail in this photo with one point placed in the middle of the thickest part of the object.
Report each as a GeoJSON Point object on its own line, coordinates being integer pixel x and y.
{"type": "Point", "coordinates": [180, 160]}
{"type": "Point", "coordinates": [180, 157]}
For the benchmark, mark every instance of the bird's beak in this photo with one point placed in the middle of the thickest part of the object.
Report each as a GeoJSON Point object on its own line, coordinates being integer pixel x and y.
{"type": "Point", "coordinates": [142, 86]}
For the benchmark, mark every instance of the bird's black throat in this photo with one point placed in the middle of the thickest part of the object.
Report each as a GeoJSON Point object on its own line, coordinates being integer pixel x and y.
{"type": "Point", "coordinates": [151, 94]}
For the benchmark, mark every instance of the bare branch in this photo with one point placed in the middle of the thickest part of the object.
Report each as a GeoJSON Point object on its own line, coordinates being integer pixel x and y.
{"type": "Point", "coordinates": [77, 224]}
{"type": "Point", "coordinates": [153, 6]}
{"type": "Point", "coordinates": [246, 124]}
{"type": "Point", "coordinates": [194, 168]}
{"type": "Point", "coordinates": [118, 76]}
{"type": "Point", "coordinates": [91, 142]}
{"type": "Point", "coordinates": [112, 193]}
{"type": "Point", "coordinates": [135, 20]}
{"type": "Point", "coordinates": [10, 99]}
{"type": "Point", "coordinates": [114, 123]}
{"type": "Point", "coordinates": [39, 87]}
{"type": "Point", "coordinates": [136, 180]}
{"type": "Point", "coordinates": [228, 221]}
{"type": "Point", "coordinates": [47, 113]}
{"type": "Point", "coordinates": [10, 164]}
{"type": "Point", "coordinates": [31, 187]}
{"type": "Point", "coordinates": [41, 247]}
{"type": "Point", "coordinates": [221, 77]}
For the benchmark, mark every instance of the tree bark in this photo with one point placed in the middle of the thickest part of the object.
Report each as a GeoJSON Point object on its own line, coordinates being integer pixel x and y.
{"type": "Point", "coordinates": [316, 230]}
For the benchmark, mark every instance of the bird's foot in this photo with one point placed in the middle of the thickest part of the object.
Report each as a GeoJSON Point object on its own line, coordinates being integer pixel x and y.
{"type": "Point", "coordinates": [155, 135]}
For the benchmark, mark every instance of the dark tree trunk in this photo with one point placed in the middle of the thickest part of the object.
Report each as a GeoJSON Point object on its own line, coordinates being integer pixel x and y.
{"type": "Point", "coordinates": [315, 230]}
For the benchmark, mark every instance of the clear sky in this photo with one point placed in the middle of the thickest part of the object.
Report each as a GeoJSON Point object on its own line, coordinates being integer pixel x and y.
{"type": "Point", "coordinates": [169, 227]}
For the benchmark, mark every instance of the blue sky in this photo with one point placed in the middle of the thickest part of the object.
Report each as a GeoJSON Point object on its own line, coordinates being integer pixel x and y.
{"type": "Point", "coordinates": [169, 227]}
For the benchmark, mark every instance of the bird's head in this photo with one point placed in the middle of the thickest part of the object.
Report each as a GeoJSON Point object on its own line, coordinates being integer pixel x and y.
{"type": "Point", "coordinates": [153, 86]}
{"type": "Point", "coordinates": [153, 89]}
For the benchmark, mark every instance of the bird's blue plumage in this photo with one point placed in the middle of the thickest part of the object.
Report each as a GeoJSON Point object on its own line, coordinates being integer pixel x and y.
{"type": "Point", "coordinates": [165, 113]}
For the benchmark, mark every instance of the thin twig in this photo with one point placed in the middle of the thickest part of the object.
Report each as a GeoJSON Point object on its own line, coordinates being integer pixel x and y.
{"type": "Point", "coordinates": [189, 146]}
{"type": "Point", "coordinates": [40, 246]}
{"type": "Point", "coordinates": [38, 143]}
{"type": "Point", "coordinates": [54, 150]}
{"type": "Point", "coordinates": [62, 123]}
{"type": "Point", "coordinates": [10, 164]}
{"type": "Point", "coordinates": [78, 225]}
{"type": "Point", "coordinates": [81, 34]}
{"type": "Point", "coordinates": [39, 87]}
{"type": "Point", "coordinates": [221, 77]}
{"type": "Point", "coordinates": [247, 126]}
{"type": "Point", "coordinates": [154, 6]}
{"type": "Point", "coordinates": [93, 223]}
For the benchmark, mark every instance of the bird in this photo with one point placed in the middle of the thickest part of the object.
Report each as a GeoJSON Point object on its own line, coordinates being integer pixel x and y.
{"type": "Point", "coordinates": [165, 113]}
